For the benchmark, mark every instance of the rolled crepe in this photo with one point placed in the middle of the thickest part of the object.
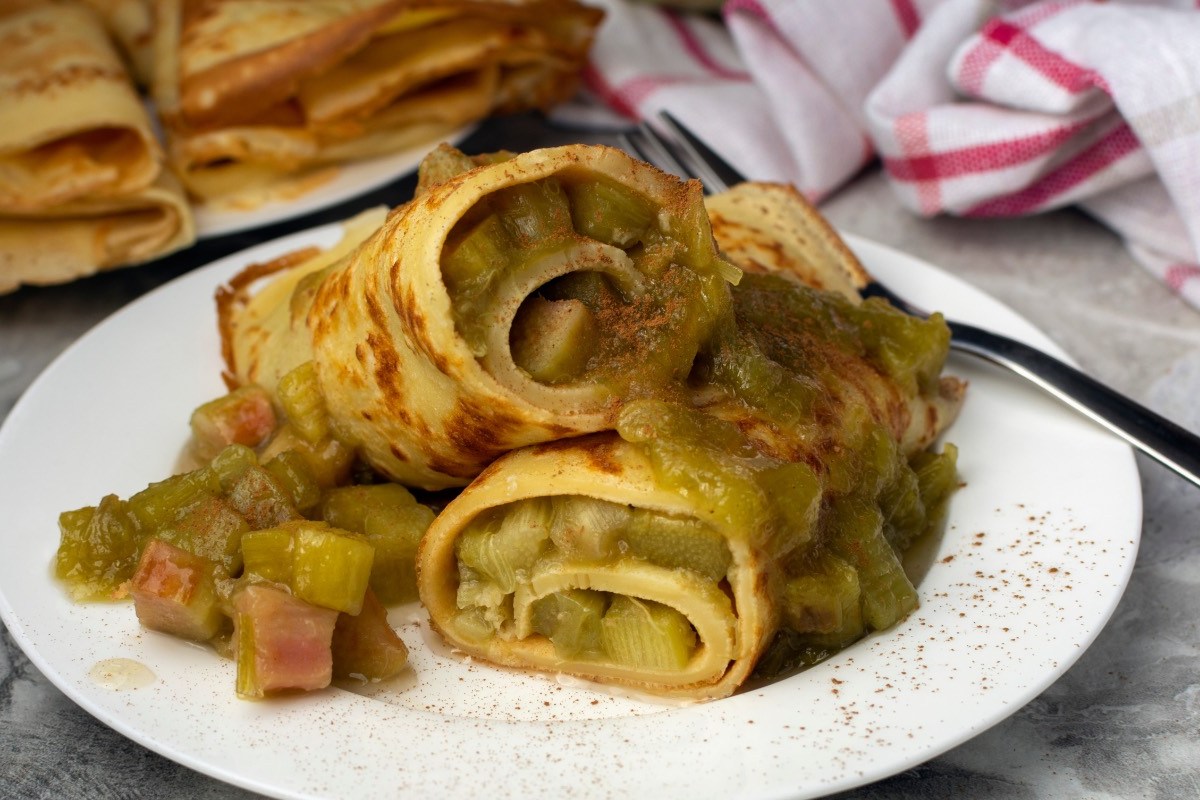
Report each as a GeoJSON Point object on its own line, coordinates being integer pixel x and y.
{"type": "Point", "coordinates": [81, 184]}
{"type": "Point", "coordinates": [253, 93]}
{"type": "Point", "coordinates": [493, 610]}
{"type": "Point", "coordinates": [517, 302]}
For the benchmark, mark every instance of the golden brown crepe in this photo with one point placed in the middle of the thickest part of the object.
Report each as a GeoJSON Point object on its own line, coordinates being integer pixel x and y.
{"type": "Point", "coordinates": [81, 180]}
{"type": "Point", "coordinates": [419, 348]}
{"type": "Point", "coordinates": [131, 24]}
{"type": "Point", "coordinates": [770, 227]}
{"type": "Point", "coordinates": [254, 91]}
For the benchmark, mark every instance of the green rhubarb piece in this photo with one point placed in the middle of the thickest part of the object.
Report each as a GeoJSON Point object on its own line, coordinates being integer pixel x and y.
{"type": "Point", "coordinates": [655, 253]}
{"type": "Point", "coordinates": [329, 460]}
{"type": "Point", "coordinates": [474, 256]}
{"type": "Point", "coordinates": [258, 496]}
{"type": "Point", "coordinates": [534, 214]}
{"type": "Point", "coordinates": [473, 625]}
{"type": "Point", "coordinates": [902, 508]}
{"type": "Point", "coordinates": [504, 546]}
{"type": "Point", "coordinates": [571, 621]}
{"type": "Point", "coordinates": [303, 402]}
{"type": "Point", "coordinates": [330, 569]}
{"type": "Point", "coordinates": [347, 507]}
{"type": "Point", "coordinates": [609, 213]}
{"type": "Point", "coordinates": [292, 473]}
{"type": "Point", "coordinates": [267, 554]}
{"type": "Point", "coordinates": [231, 462]}
{"type": "Point", "coordinates": [644, 635]}
{"type": "Point", "coordinates": [937, 477]}
{"type": "Point", "coordinates": [858, 538]}
{"type": "Point", "coordinates": [213, 529]}
{"type": "Point", "coordinates": [587, 528]}
{"type": "Point", "coordinates": [677, 543]}
{"type": "Point", "coordinates": [365, 646]}
{"type": "Point", "coordinates": [699, 457]}
{"type": "Point", "coordinates": [395, 532]}
{"type": "Point", "coordinates": [98, 549]}
{"type": "Point", "coordinates": [795, 491]}
{"type": "Point", "coordinates": [393, 522]}
{"type": "Point", "coordinates": [824, 600]}
{"type": "Point", "coordinates": [165, 502]}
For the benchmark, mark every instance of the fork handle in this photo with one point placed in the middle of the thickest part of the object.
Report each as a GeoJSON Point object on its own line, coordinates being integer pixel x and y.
{"type": "Point", "coordinates": [1156, 436]}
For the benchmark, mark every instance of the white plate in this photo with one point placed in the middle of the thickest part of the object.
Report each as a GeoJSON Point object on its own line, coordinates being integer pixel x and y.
{"type": "Point", "coordinates": [350, 179]}
{"type": "Point", "coordinates": [1038, 548]}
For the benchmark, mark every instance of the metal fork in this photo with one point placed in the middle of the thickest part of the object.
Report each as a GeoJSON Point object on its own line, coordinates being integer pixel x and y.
{"type": "Point", "coordinates": [680, 151]}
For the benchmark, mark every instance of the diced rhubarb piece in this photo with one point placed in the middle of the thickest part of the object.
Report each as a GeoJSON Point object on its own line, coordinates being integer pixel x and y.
{"type": "Point", "coordinates": [163, 503]}
{"type": "Point", "coordinates": [212, 528]}
{"type": "Point", "coordinates": [395, 534]}
{"type": "Point", "coordinates": [330, 460]}
{"type": "Point", "coordinates": [331, 568]}
{"type": "Point", "coordinates": [365, 646]}
{"type": "Point", "coordinates": [282, 642]}
{"type": "Point", "coordinates": [267, 554]}
{"type": "Point", "coordinates": [173, 592]}
{"type": "Point", "coordinates": [291, 471]}
{"type": "Point", "coordinates": [258, 497]}
{"type": "Point", "coordinates": [244, 416]}
{"type": "Point", "coordinates": [303, 402]}
{"type": "Point", "coordinates": [393, 522]}
{"type": "Point", "coordinates": [347, 507]}
{"type": "Point", "coordinates": [231, 462]}
{"type": "Point", "coordinates": [98, 550]}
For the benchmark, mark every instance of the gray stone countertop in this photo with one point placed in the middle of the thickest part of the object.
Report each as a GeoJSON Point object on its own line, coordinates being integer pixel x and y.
{"type": "Point", "coordinates": [1123, 722]}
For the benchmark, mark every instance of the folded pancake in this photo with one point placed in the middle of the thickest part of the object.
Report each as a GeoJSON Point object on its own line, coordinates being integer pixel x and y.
{"type": "Point", "coordinates": [81, 183]}
{"type": "Point", "coordinates": [771, 228]}
{"type": "Point", "coordinates": [131, 24]}
{"type": "Point", "coordinates": [254, 91]}
{"type": "Point", "coordinates": [71, 124]}
{"type": "Point", "coordinates": [79, 239]}
{"type": "Point", "coordinates": [759, 524]}
{"type": "Point", "coordinates": [520, 301]}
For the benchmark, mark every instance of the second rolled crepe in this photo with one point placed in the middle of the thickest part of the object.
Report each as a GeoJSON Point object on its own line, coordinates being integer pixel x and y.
{"type": "Point", "coordinates": [81, 181]}
{"type": "Point", "coordinates": [760, 525]}
{"type": "Point", "coordinates": [515, 302]}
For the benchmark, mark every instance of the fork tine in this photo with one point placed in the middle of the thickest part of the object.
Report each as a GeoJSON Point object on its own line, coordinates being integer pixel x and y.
{"type": "Point", "coordinates": [685, 152]}
{"type": "Point", "coordinates": [648, 146]}
{"type": "Point", "coordinates": [710, 167]}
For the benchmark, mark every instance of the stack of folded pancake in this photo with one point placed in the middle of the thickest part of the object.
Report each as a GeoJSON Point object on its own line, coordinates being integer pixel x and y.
{"type": "Point", "coordinates": [257, 100]}
{"type": "Point", "coordinates": [254, 93]}
{"type": "Point", "coordinates": [82, 181]}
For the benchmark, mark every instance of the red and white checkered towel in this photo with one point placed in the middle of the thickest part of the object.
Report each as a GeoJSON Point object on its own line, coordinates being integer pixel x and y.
{"type": "Point", "coordinates": [975, 108]}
